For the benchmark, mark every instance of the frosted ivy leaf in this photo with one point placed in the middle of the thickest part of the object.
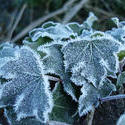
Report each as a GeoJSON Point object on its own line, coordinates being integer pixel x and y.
{"type": "Point", "coordinates": [54, 32]}
{"type": "Point", "coordinates": [77, 28]}
{"type": "Point", "coordinates": [89, 99]}
{"type": "Point", "coordinates": [121, 79]}
{"type": "Point", "coordinates": [11, 118]}
{"type": "Point", "coordinates": [90, 95]}
{"type": "Point", "coordinates": [27, 91]}
{"type": "Point", "coordinates": [53, 63]}
{"type": "Point", "coordinates": [90, 20]}
{"type": "Point", "coordinates": [92, 55]}
{"type": "Point", "coordinates": [106, 88]}
{"type": "Point", "coordinates": [35, 44]}
{"type": "Point", "coordinates": [116, 21]}
{"type": "Point", "coordinates": [118, 34]}
{"type": "Point", "coordinates": [6, 53]}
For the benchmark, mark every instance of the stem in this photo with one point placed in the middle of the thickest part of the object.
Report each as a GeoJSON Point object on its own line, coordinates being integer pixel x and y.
{"type": "Point", "coordinates": [53, 78]}
{"type": "Point", "coordinates": [90, 117]}
{"type": "Point", "coordinates": [109, 98]}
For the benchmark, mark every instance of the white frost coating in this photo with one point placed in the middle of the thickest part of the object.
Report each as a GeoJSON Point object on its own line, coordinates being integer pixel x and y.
{"type": "Point", "coordinates": [1, 91]}
{"type": "Point", "coordinates": [116, 21]}
{"type": "Point", "coordinates": [22, 92]}
{"type": "Point", "coordinates": [20, 116]}
{"type": "Point", "coordinates": [88, 100]}
{"type": "Point", "coordinates": [18, 101]}
{"type": "Point", "coordinates": [85, 111]}
{"type": "Point", "coordinates": [56, 31]}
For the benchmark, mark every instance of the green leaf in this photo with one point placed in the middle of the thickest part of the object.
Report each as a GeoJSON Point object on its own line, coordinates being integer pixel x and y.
{"type": "Point", "coordinates": [91, 56]}
{"type": "Point", "coordinates": [64, 106]}
{"type": "Point", "coordinates": [121, 54]}
{"type": "Point", "coordinates": [53, 63]}
{"type": "Point", "coordinates": [35, 44]}
{"type": "Point", "coordinates": [77, 28]}
{"type": "Point", "coordinates": [27, 89]}
{"type": "Point", "coordinates": [54, 31]}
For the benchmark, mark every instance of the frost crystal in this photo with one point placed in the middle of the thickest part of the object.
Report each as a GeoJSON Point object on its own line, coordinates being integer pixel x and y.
{"type": "Point", "coordinates": [28, 90]}
{"type": "Point", "coordinates": [91, 55]}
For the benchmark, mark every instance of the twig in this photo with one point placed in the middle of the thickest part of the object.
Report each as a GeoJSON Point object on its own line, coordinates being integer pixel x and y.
{"type": "Point", "coordinates": [17, 21]}
{"type": "Point", "coordinates": [90, 117]}
{"type": "Point", "coordinates": [101, 11]}
{"type": "Point", "coordinates": [109, 98]}
{"type": "Point", "coordinates": [11, 21]}
{"type": "Point", "coordinates": [53, 78]}
{"type": "Point", "coordinates": [42, 19]}
{"type": "Point", "coordinates": [73, 11]}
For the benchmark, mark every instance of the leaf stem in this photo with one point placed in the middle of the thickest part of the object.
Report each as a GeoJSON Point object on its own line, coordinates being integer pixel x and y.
{"type": "Point", "coordinates": [110, 98]}
{"type": "Point", "coordinates": [53, 78]}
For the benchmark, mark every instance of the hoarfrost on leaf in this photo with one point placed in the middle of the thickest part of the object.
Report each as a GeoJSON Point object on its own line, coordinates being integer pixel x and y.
{"type": "Point", "coordinates": [6, 53]}
{"type": "Point", "coordinates": [11, 118]}
{"type": "Point", "coordinates": [53, 63]}
{"type": "Point", "coordinates": [89, 99]}
{"type": "Point", "coordinates": [91, 95]}
{"type": "Point", "coordinates": [56, 31]}
{"type": "Point", "coordinates": [118, 34]}
{"type": "Point", "coordinates": [28, 91]}
{"type": "Point", "coordinates": [92, 56]}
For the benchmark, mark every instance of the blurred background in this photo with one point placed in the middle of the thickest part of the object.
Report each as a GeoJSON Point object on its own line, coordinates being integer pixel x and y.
{"type": "Point", "coordinates": [18, 17]}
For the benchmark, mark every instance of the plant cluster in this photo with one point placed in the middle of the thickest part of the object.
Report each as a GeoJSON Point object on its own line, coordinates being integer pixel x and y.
{"type": "Point", "coordinates": [61, 72]}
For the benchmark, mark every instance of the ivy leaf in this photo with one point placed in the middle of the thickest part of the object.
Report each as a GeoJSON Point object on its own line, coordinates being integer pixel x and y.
{"type": "Point", "coordinates": [77, 28]}
{"type": "Point", "coordinates": [90, 95]}
{"type": "Point", "coordinates": [90, 20]}
{"type": "Point", "coordinates": [121, 79]}
{"type": "Point", "coordinates": [92, 55]}
{"type": "Point", "coordinates": [27, 89]}
{"type": "Point", "coordinates": [53, 63]}
{"type": "Point", "coordinates": [11, 118]}
{"type": "Point", "coordinates": [118, 34]}
{"type": "Point", "coordinates": [6, 53]}
{"type": "Point", "coordinates": [35, 44]}
{"type": "Point", "coordinates": [106, 88]}
{"type": "Point", "coordinates": [64, 106]}
{"type": "Point", "coordinates": [89, 99]}
{"type": "Point", "coordinates": [54, 31]}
